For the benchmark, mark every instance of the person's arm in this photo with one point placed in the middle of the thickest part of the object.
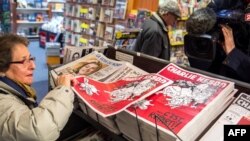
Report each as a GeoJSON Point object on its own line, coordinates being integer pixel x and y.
{"type": "Point", "coordinates": [240, 63]}
{"type": "Point", "coordinates": [236, 59]}
{"type": "Point", "coordinates": [42, 123]}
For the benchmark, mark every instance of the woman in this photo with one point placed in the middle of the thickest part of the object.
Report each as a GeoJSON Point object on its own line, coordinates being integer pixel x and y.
{"type": "Point", "coordinates": [87, 68]}
{"type": "Point", "coordinates": [237, 63]}
{"type": "Point", "coordinates": [21, 117]}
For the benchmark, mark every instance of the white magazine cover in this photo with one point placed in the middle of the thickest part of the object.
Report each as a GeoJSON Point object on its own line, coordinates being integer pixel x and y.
{"type": "Point", "coordinates": [128, 70]}
{"type": "Point", "coordinates": [94, 65]}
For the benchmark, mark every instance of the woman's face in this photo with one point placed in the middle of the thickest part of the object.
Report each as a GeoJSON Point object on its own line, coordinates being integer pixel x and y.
{"type": "Point", "coordinates": [21, 72]}
{"type": "Point", "coordinates": [88, 69]}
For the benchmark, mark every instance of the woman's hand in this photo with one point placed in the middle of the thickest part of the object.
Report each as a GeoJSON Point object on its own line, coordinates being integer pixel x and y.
{"type": "Point", "coordinates": [65, 80]}
{"type": "Point", "coordinates": [228, 44]}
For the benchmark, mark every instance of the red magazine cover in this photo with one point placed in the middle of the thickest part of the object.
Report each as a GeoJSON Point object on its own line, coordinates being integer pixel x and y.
{"type": "Point", "coordinates": [244, 120]}
{"type": "Point", "coordinates": [179, 103]}
{"type": "Point", "coordinates": [111, 98]}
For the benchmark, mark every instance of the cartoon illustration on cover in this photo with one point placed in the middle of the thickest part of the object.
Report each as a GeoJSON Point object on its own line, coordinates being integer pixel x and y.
{"type": "Point", "coordinates": [90, 89]}
{"type": "Point", "coordinates": [184, 93]}
{"type": "Point", "coordinates": [143, 104]}
{"type": "Point", "coordinates": [131, 90]}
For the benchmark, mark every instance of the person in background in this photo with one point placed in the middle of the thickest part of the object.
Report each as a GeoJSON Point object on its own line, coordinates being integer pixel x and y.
{"type": "Point", "coordinates": [229, 60]}
{"type": "Point", "coordinates": [241, 27]}
{"type": "Point", "coordinates": [236, 60]}
{"type": "Point", "coordinates": [153, 39]}
{"type": "Point", "coordinates": [22, 118]}
{"type": "Point", "coordinates": [218, 5]}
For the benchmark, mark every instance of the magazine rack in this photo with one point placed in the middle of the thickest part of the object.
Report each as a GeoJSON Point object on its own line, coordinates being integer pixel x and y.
{"type": "Point", "coordinates": [151, 65]}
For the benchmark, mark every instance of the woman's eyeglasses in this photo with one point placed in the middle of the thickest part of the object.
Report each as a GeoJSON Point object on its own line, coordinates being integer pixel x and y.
{"type": "Point", "coordinates": [24, 62]}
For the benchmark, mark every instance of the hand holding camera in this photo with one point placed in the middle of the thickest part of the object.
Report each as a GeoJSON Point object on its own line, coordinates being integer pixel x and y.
{"type": "Point", "coordinates": [228, 44]}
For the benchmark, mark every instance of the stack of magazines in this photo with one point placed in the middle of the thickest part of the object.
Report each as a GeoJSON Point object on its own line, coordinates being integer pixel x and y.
{"type": "Point", "coordinates": [141, 106]}
{"type": "Point", "coordinates": [180, 111]}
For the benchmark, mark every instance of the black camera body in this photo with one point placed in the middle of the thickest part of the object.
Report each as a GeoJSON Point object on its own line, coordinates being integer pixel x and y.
{"type": "Point", "coordinates": [205, 47]}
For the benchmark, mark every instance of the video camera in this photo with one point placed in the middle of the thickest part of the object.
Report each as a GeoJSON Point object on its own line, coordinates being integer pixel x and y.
{"type": "Point", "coordinates": [204, 46]}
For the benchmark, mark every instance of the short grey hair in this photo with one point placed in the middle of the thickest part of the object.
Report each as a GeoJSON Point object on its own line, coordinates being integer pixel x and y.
{"type": "Point", "coordinates": [169, 6]}
{"type": "Point", "coordinates": [201, 21]}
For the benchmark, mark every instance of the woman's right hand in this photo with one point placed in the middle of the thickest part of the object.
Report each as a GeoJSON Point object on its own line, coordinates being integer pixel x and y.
{"type": "Point", "coordinates": [65, 79]}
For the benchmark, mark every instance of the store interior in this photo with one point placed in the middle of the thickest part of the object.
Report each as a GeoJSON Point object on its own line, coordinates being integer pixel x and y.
{"type": "Point", "coordinates": [60, 29]}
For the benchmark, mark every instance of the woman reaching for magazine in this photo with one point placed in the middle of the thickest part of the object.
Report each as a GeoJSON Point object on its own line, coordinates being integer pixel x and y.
{"type": "Point", "coordinates": [21, 117]}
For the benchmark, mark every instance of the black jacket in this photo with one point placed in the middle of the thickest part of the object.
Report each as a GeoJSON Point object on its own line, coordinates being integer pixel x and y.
{"type": "Point", "coordinates": [239, 63]}
{"type": "Point", "coordinates": [153, 39]}
{"type": "Point", "coordinates": [218, 5]}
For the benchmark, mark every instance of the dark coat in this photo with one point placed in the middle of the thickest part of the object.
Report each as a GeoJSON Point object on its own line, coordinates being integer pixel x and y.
{"type": "Point", "coordinates": [218, 5]}
{"type": "Point", "coordinates": [239, 63]}
{"type": "Point", "coordinates": [153, 39]}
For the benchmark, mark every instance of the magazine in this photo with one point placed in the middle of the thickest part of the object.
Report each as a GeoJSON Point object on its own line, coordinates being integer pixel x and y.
{"type": "Point", "coordinates": [128, 70]}
{"type": "Point", "coordinates": [106, 15]}
{"type": "Point", "coordinates": [120, 9]}
{"type": "Point", "coordinates": [113, 71]}
{"type": "Point", "coordinates": [178, 108]}
{"type": "Point", "coordinates": [142, 15]}
{"type": "Point", "coordinates": [126, 39]}
{"type": "Point", "coordinates": [108, 2]}
{"type": "Point", "coordinates": [101, 67]}
{"type": "Point", "coordinates": [233, 115]}
{"type": "Point", "coordinates": [244, 120]}
{"type": "Point", "coordinates": [108, 99]}
{"type": "Point", "coordinates": [73, 53]}
{"type": "Point", "coordinates": [109, 32]}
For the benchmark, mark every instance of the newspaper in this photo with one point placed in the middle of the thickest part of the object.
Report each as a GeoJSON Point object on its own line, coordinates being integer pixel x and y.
{"type": "Point", "coordinates": [94, 65]}
{"type": "Point", "coordinates": [191, 99]}
{"type": "Point", "coordinates": [128, 70]}
{"type": "Point", "coordinates": [232, 116]}
{"type": "Point", "coordinates": [98, 67]}
{"type": "Point", "coordinates": [108, 99]}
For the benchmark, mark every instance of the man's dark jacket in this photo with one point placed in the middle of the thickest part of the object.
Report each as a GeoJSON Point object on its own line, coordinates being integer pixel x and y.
{"type": "Point", "coordinates": [153, 39]}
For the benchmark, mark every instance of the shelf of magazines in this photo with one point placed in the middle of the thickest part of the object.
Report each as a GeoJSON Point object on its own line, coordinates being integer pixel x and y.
{"type": "Point", "coordinates": [168, 111]}
{"type": "Point", "coordinates": [94, 19]}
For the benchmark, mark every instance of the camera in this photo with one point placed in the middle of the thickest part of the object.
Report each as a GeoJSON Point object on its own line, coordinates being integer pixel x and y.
{"type": "Point", "coordinates": [204, 44]}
